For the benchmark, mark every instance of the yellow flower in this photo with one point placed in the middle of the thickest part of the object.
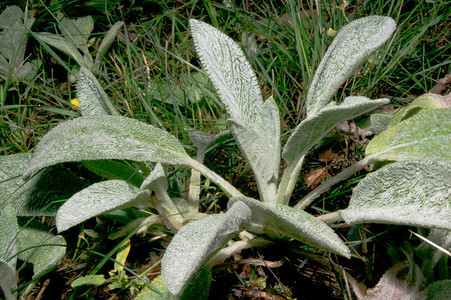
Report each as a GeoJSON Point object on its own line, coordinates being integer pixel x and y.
{"type": "Point", "coordinates": [75, 102]}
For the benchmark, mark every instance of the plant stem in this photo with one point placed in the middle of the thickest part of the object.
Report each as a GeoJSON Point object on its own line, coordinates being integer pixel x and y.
{"type": "Point", "coordinates": [289, 178]}
{"type": "Point", "coordinates": [330, 218]}
{"type": "Point", "coordinates": [229, 189]}
{"type": "Point", "coordinates": [237, 247]}
{"type": "Point", "coordinates": [307, 200]}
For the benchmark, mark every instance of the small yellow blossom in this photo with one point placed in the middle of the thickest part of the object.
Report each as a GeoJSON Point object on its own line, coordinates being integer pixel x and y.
{"type": "Point", "coordinates": [75, 102]}
{"type": "Point", "coordinates": [331, 32]}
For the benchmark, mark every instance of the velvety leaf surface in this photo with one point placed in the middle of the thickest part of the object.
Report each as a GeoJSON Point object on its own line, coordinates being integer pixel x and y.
{"type": "Point", "coordinates": [229, 70]}
{"type": "Point", "coordinates": [350, 49]}
{"type": "Point", "coordinates": [416, 193]}
{"type": "Point", "coordinates": [8, 280]}
{"type": "Point", "coordinates": [13, 190]}
{"type": "Point", "coordinates": [237, 85]}
{"type": "Point", "coordinates": [97, 199]}
{"type": "Point", "coordinates": [313, 129]}
{"type": "Point", "coordinates": [105, 137]}
{"type": "Point", "coordinates": [295, 223]}
{"type": "Point", "coordinates": [426, 135]}
{"type": "Point", "coordinates": [267, 124]}
{"type": "Point", "coordinates": [14, 34]}
{"type": "Point", "coordinates": [196, 242]}
{"type": "Point", "coordinates": [8, 231]}
{"type": "Point", "coordinates": [260, 157]}
{"type": "Point", "coordinates": [91, 97]}
{"type": "Point", "coordinates": [154, 178]}
{"type": "Point", "coordinates": [108, 39]}
{"type": "Point", "coordinates": [77, 31]}
{"type": "Point", "coordinates": [41, 256]}
{"type": "Point", "coordinates": [427, 101]}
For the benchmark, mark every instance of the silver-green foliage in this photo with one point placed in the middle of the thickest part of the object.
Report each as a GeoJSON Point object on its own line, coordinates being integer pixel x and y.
{"type": "Point", "coordinates": [8, 249]}
{"type": "Point", "coordinates": [251, 119]}
{"type": "Point", "coordinates": [350, 49]}
{"type": "Point", "coordinates": [196, 242]}
{"type": "Point", "coordinates": [91, 96]}
{"type": "Point", "coordinates": [426, 135]}
{"type": "Point", "coordinates": [286, 221]}
{"type": "Point", "coordinates": [15, 25]}
{"type": "Point", "coordinates": [254, 123]}
{"type": "Point", "coordinates": [101, 198]}
{"type": "Point", "coordinates": [416, 193]}
{"type": "Point", "coordinates": [13, 190]}
{"type": "Point", "coordinates": [74, 38]}
{"type": "Point", "coordinates": [105, 137]}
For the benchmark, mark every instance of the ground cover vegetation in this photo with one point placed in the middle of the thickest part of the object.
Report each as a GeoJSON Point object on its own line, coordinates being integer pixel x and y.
{"type": "Point", "coordinates": [167, 150]}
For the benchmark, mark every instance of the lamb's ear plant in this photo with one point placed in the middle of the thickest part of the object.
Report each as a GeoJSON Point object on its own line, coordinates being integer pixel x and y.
{"type": "Point", "coordinates": [105, 143]}
{"type": "Point", "coordinates": [74, 40]}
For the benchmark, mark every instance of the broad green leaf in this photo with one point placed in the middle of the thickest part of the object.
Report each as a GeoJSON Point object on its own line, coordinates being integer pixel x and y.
{"type": "Point", "coordinates": [426, 135]}
{"type": "Point", "coordinates": [413, 193]}
{"type": "Point", "coordinates": [63, 45]}
{"type": "Point", "coordinates": [230, 72]}
{"type": "Point", "coordinates": [91, 97]}
{"type": "Point", "coordinates": [298, 224]}
{"type": "Point", "coordinates": [439, 290]}
{"type": "Point", "coordinates": [13, 190]}
{"type": "Point", "coordinates": [97, 199]}
{"type": "Point", "coordinates": [115, 169]}
{"type": "Point", "coordinates": [196, 242]}
{"type": "Point", "coordinates": [314, 128]}
{"type": "Point", "coordinates": [350, 49]}
{"type": "Point", "coordinates": [108, 40]}
{"type": "Point", "coordinates": [260, 157]}
{"type": "Point", "coordinates": [77, 31]}
{"type": "Point", "coordinates": [44, 250]}
{"type": "Point", "coordinates": [105, 137]}
{"type": "Point", "coordinates": [95, 280]}
{"type": "Point", "coordinates": [427, 101]}
{"type": "Point", "coordinates": [8, 280]}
